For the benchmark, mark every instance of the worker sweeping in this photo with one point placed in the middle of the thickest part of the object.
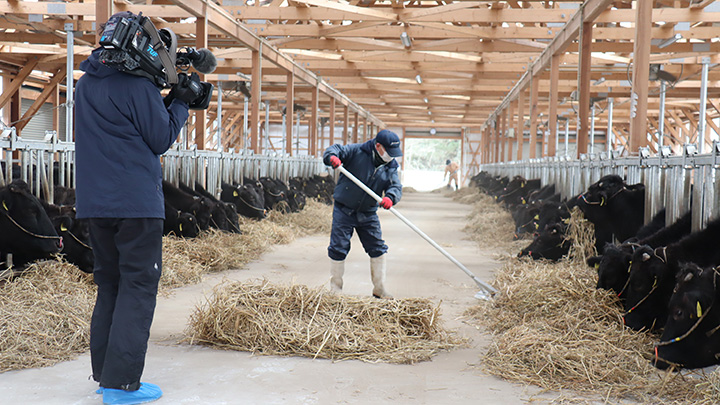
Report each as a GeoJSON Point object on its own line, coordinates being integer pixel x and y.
{"type": "Point", "coordinates": [452, 169]}
{"type": "Point", "coordinates": [373, 162]}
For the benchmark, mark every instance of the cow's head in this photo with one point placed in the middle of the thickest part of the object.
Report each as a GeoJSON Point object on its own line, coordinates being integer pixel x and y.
{"type": "Point", "coordinates": [27, 229]}
{"type": "Point", "coordinates": [688, 340]}
{"type": "Point", "coordinates": [613, 267]}
{"type": "Point", "coordinates": [548, 244]}
{"type": "Point", "coordinates": [644, 304]}
{"type": "Point", "coordinates": [249, 201]}
{"type": "Point", "coordinates": [76, 241]}
{"type": "Point", "coordinates": [187, 225]}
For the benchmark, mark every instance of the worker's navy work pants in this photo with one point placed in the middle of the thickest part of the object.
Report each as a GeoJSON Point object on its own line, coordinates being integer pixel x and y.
{"type": "Point", "coordinates": [128, 260]}
{"type": "Point", "coordinates": [367, 225]}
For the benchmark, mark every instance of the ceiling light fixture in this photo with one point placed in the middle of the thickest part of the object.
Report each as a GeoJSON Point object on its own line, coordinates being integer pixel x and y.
{"type": "Point", "coordinates": [599, 81]}
{"type": "Point", "coordinates": [405, 39]}
{"type": "Point", "coordinates": [670, 41]}
{"type": "Point", "coordinates": [418, 79]}
{"type": "Point", "coordinates": [425, 100]}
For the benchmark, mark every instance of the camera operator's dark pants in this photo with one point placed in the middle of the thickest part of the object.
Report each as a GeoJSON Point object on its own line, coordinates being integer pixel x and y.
{"type": "Point", "coordinates": [128, 260]}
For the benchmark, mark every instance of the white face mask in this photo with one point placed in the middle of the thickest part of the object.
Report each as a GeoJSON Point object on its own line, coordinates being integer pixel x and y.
{"type": "Point", "coordinates": [385, 157]}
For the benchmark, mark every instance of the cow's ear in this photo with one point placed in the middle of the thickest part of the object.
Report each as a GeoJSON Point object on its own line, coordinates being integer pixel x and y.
{"type": "Point", "coordinates": [594, 261]}
{"type": "Point", "coordinates": [645, 257]}
{"type": "Point", "coordinates": [66, 223]}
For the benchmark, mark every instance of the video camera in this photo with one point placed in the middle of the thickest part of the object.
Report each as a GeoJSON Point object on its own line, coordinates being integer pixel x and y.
{"type": "Point", "coordinates": [132, 44]}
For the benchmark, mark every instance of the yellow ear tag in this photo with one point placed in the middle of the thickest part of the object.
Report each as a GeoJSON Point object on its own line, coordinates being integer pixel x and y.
{"type": "Point", "coordinates": [235, 193]}
{"type": "Point", "coordinates": [180, 226]}
{"type": "Point", "coordinates": [699, 310]}
{"type": "Point", "coordinates": [602, 201]}
{"type": "Point", "coordinates": [630, 266]}
{"type": "Point", "coordinates": [63, 228]}
{"type": "Point", "coordinates": [597, 265]}
{"type": "Point", "coordinates": [536, 217]}
{"type": "Point", "coordinates": [522, 184]}
{"type": "Point", "coordinates": [5, 206]}
{"type": "Point", "coordinates": [523, 200]}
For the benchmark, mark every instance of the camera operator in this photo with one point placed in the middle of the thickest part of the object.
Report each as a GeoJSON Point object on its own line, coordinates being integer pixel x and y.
{"type": "Point", "coordinates": [122, 128]}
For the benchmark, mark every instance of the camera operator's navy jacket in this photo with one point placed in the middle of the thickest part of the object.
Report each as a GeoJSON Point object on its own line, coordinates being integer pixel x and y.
{"type": "Point", "coordinates": [122, 128]}
{"type": "Point", "coordinates": [358, 160]}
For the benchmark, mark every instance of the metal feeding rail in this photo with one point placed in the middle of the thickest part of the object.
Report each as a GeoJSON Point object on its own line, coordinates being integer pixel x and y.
{"type": "Point", "coordinates": [675, 182]}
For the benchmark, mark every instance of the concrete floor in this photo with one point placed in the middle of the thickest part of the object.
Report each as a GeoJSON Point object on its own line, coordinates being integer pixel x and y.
{"type": "Point", "coordinates": [201, 375]}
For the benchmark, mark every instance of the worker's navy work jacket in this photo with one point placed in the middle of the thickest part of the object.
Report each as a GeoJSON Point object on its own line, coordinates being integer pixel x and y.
{"type": "Point", "coordinates": [358, 160]}
{"type": "Point", "coordinates": [121, 129]}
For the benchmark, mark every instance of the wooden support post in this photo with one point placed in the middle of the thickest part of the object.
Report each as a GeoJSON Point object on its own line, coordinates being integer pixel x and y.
{"type": "Point", "coordinates": [346, 125]}
{"type": "Point", "coordinates": [255, 101]}
{"type": "Point", "coordinates": [201, 41]}
{"type": "Point", "coordinates": [313, 124]}
{"type": "Point", "coordinates": [355, 129]}
{"type": "Point", "coordinates": [9, 89]}
{"type": "Point", "coordinates": [103, 12]}
{"type": "Point", "coordinates": [584, 89]}
{"type": "Point", "coordinates": [520, 126]}
{"type": "Point", "coordinates": [510, 124]}
{"type": "Point", "coordinates": [641, 73]}
{"type": "Point", "coordinates": [331, 121]}
{"type": "Point", "coordinates": [503, 133]}
{"type": "Point", "coordinates": [554, 90]}
{"type": "Point", "coordinates": [289, 113]}
{"type": "Point", "coordinates": [534, 88]}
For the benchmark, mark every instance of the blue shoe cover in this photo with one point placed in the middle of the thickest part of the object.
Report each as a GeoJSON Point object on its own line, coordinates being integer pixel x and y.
{"type": "Point", "coordinates": [147, 393]}
{"type": "Point", "coordinates": [99, 390]}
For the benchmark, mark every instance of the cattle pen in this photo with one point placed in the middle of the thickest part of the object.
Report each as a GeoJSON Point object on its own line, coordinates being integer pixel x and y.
{"type": "Point", "coordinates": [588, 138]}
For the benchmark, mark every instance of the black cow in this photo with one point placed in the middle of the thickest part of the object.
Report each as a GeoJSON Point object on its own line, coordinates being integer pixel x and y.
{"type": "Point", "coordinates": [275, 194]}
{"type": "Point", "coordinates": [76, 241]}
{"type": "Point", "coordinates": [549, 244]}
{"type": "Point", "coordinates": [690, 337]}
{"type": "Point", "coordinates": [614, 207]}
{"type": "Point", "coordinates": [613, 265]}
{"type": "Point", "coordinates": [222, 215]}
{"type": "Point", "coordinates": [652, 274]}
{"type": "Point", "coordinates": [25, 228]}
{"type": "Point", "coordinates": [179, 223]}
{"type": "Point", "coordinates": [248, 201]}
{"type": "Point", "coordinates": [318, 187]}
{"type": "Point", "coordinates": [189, 203]}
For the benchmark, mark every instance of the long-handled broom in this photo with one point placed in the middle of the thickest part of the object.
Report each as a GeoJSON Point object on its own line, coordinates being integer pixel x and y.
{"type": "Point", "coordinates": [486, 291]}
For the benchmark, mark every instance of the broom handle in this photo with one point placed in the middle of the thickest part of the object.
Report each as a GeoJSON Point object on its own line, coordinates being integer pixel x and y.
{"type": "Point", "coordinates": [407, 222]}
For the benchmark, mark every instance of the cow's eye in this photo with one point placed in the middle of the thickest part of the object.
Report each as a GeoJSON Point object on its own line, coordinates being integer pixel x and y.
{"type": "Point", "coordinates": [678, 314]}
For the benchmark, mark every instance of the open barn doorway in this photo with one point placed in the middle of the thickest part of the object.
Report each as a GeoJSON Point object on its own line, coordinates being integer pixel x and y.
{"type": "Point", "coordinates": [425, 158]}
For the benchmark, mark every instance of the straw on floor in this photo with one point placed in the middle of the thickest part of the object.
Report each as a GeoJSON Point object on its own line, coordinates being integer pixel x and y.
{"type": "Point", "coordinates": [296, 320]}
{"type": "Point", "coordinates": [554, 329]}
{"type": "Point", "coordinates": [44, 315]}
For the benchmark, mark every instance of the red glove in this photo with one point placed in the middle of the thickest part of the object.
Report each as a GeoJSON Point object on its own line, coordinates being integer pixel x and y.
{"type": "Point", "coordinates": [386, 203]}
{"type": "Point", "coordinates": [335, 162]}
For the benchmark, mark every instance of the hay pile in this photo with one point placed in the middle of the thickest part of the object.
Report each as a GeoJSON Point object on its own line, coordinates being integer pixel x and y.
{"type": "Point", "coordinates": [489, 224]}
{"type": "Point", "coordinates": [185, 260]}
{"type": "Point", "coordinates": [552, 328]}
{"type": "Point", "coordinates": [299, 321]}
{"type": "Point", "coordinates": [45, 316]}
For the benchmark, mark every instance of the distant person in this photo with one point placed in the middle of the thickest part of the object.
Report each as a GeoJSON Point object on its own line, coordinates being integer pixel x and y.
{"type": "Point", "coordinates": [373, 163]}
{"type": "Point", "coordinates": [451, 168]}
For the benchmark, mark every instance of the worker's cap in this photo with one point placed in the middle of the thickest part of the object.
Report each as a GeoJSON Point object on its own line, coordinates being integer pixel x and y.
{"type": "Point", "coordinates": [390, 141]}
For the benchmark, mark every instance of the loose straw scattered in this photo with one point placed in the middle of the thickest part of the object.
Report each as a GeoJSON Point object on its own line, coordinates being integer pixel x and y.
{"type": "Point", "coordinates": [296, 320]}
{"type": "Point", "coordinates": [489, 224]}
{"type": "Point", "coordinates": [551, 327]}
{"type": "Point", "coordinates": [44, 315]}
{"type": "Point", "coordinates": [45, 312]}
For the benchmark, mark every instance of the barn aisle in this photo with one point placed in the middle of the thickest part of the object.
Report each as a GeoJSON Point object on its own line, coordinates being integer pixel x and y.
{"type": "Point", "coordinates": [200, 375]}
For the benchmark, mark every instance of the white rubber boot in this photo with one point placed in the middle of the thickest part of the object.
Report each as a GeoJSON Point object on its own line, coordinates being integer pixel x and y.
{"type": "Point", "coordinates": [377, 271]}
{"type": "Point", "coordinates": [337, 269]}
